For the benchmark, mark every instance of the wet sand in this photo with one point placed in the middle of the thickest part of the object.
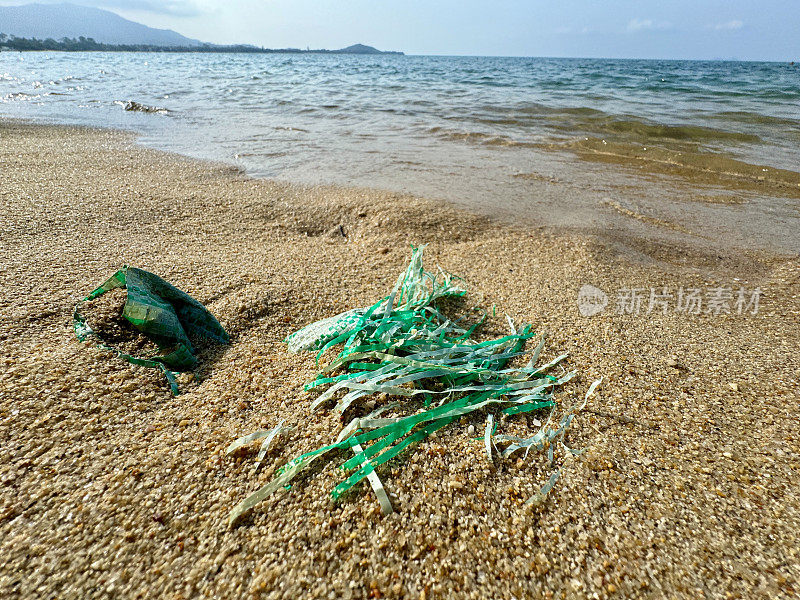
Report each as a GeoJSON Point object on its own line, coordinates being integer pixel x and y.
{"type": "Point", "coordinates": [110, 487]}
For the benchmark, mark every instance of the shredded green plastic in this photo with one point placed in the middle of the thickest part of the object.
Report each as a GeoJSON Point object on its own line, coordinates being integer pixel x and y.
{"type": "Point", "coordinates": [404, 346]}
{"type": "Point", "coordinates": [163, 313]}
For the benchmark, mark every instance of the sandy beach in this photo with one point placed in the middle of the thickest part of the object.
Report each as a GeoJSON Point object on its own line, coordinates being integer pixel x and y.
{"type": "Point", "coordinates": [112, 488]}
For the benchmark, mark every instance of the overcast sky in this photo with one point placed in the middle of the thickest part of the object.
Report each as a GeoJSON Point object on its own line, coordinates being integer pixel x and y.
{"type": "Point", "coordinates": [743, 29]}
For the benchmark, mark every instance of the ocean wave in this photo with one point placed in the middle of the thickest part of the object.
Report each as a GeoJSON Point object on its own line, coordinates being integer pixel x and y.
{"type": "Point", "coordinates": [702, 167]}
{"type": "Point", "coordinates": [648, 131]}
{"type": "Point", "coordinates": [13, 96]}
{"type": "Point", "coordinates": [581, 120]}
{"type": "Point", "coordinates": [755, 118]}
{"type": "Point", "coordinates": [477, 137]}
{"type": "Point", "coordinates": [577, 120]}
{"type": "Point", "coordinates": [538, 109]}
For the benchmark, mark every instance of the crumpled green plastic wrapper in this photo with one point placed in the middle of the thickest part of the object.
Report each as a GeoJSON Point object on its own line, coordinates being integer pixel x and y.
{"type": "Point", "coordinates": [162, 312]}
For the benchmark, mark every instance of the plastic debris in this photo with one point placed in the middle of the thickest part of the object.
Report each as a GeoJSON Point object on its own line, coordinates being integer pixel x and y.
{"type": "Point", "coordinates": [163, 313]}
{"type": "Point", "coordinates": [487, 437]}
{"type": "Point", "coordinates": [266, 435]}
{"type": "Point", "coordinates": [405, 347]}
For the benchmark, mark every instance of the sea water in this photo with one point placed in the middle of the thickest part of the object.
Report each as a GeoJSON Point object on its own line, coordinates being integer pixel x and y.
{"type": "Point", "coordinates": [486, 132]}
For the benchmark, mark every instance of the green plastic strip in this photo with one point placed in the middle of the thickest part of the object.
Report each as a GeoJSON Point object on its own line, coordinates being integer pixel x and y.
{"type": "Point", "coordinates": [404, 347]}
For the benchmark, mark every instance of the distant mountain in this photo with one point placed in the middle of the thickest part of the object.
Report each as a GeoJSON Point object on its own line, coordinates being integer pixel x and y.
{"type": "Point", "coordinates": [362, 49]}
{"type": "Point", "coordinates": [34, 24]}
{"type": "Point", "coordinates": [69, 20]}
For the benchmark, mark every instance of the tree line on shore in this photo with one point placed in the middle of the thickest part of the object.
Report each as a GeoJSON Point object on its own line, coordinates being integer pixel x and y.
{"type": "Point", "coordinates": [84, 44]}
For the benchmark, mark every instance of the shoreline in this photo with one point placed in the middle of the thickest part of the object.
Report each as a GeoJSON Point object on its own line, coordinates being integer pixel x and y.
{"type": "Point", "coordinates": [628, 229]}
{"type": "Point", "coordinates": [114, 488]}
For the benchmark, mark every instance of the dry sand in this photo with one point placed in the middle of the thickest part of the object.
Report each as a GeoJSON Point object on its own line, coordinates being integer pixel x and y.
{"type": "Point", "coordinates": [110, 487]}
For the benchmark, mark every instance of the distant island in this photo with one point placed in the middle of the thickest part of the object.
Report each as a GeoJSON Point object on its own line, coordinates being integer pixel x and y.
{"type": "Point", "coordinates": [74, 28]}
{"type": "Point", "coordinates": [84, 44]}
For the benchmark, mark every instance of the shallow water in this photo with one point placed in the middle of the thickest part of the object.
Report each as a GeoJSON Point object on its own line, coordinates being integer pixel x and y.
{"type": "Point", "coordinates": [495, 134]}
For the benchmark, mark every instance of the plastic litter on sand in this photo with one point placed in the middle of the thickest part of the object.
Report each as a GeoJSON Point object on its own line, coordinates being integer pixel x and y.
{"type": "Point", "coordinates": [163, 313]}
{"type": "Point", "coordinates": [405, 347]}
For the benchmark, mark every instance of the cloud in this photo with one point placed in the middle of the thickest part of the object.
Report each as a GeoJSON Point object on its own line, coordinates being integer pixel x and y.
{"type": "Point", "coordinates": [635, 25]}
{"type": "Point", "coordinates": [729, 26]}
